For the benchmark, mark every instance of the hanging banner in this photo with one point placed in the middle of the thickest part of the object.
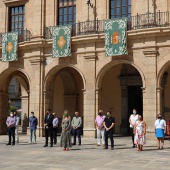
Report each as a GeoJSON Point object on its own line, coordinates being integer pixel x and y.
{"type": "Point", "coordinates": [115, 37]}
{"type": "Point", "coordinates": [9, 46]}
{"type": "Point", "coordinates": [61, 41]}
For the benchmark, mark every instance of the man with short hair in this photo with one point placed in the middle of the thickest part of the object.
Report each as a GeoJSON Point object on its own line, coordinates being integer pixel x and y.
{"type": "Point", "coordinates": [33, 126]}
{"type": "Point", "coordinates": [11, 123]}
{"type": "Point", "coordinates": [109, 124]}
{"type": "Point", "coordinates": [100, 128]}
{"type": "Point", "coordinates": [48, 127]}
{"type": "Point", "coordinates": [132, 120]}
{"type": "Point", "coordinates": [76, 124]}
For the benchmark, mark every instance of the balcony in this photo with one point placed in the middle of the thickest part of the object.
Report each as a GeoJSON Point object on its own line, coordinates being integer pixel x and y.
{"type": "Point", "coordinates": [24, 35]}
{"type": "Point", "coordinates": [142, 21]}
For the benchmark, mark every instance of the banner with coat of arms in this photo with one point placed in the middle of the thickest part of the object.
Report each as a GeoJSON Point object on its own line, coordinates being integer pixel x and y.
{"type": "Point", "coordinates": [9, 46]}
{"type": "Point", "coordinates": [115, 37]}
{"type": "Point", "coordinates": [61, 41]}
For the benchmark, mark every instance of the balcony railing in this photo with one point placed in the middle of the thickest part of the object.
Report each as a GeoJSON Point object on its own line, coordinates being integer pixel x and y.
{"type": "Point", "coordinates": [142, 21]}
{"type": "Point", "coordinates": [24, 35]}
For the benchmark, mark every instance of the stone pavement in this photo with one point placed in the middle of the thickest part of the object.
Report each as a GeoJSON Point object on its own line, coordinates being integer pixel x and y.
{"type": "Point", "coordinates": [88, 156]}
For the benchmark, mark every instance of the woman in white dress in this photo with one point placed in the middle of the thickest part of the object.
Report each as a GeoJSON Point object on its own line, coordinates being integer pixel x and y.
{"type": "Point", "coordinates": [140, 131]}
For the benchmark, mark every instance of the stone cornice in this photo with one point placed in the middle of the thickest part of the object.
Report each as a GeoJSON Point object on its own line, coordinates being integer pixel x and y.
{"type": "Point", "coordinates": [153, 53]}
{"type": "Point", "coordinates": [90, 57]}
{"type": "Point", "coordinates": [16, 2]}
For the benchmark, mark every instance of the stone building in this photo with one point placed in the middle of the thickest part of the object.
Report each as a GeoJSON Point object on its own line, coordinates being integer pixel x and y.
{"type": "Point", "coordinates": [88, 80]}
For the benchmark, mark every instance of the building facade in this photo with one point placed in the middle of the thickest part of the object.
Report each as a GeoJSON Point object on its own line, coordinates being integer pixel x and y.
{"type": "Point", "coordinates": [88, 80]}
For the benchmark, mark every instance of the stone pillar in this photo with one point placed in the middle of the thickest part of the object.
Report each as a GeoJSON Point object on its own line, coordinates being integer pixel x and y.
{"type": "Point", "coordinates": [3, 112]}
{"type": "Point", "coordinates": [90, 97]}
{"type": "Point", "coordinates": [36, 100]}
{"type": "Point", "coordinates": [149, 95]}
{"type": "Point", "coordinates": [124, 109]}
{"type": "Point", "coordinates": [25, 113]}
{"type": "Point", "coordinates": [159, 99]}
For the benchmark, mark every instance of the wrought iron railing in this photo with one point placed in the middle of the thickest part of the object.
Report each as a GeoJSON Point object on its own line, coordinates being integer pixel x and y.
{"type": "Point", "coordinates": [140, 21]}
{"type": "Point", "coordinates": [24, 35]}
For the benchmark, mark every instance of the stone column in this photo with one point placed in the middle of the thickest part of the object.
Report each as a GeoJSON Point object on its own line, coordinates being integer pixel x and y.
{"type": "Point", "coordinates": [89, 96]}
{"type": "Point", "coordinates": [3, 112]}
{"type": "Point", "coordinates": [124, 109]}
{"type": "Point", "coordinates": [150, 95]}
{"type": "Point", "coordinates": [159, 99]}
{"type": "Point", "coordinates": [25, 113]}
{"type": "Point", "coordinates": [36, 103]}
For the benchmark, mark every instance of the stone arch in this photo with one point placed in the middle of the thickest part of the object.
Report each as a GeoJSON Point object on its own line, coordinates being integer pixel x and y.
{"type": "Point", "coordinates": [50, 75]}
{"type": "Point", "coordinates": [161, 72]}
{"type": "Point", "coordinates": [71, 82]}
{"type": "Point", "coordinates": [102, 72]}
{"type": "Point", "coordinates": [24, 81]}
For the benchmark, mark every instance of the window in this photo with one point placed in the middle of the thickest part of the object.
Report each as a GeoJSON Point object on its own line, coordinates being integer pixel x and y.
{"type": "Point", "coordinates": [16, 18]}
{"type": "Point", "coordinates": [120, 8]}
{"type": "Point", "coordinates": [11, 89]}
{"type": "Point", "coordinates": [67, 12]}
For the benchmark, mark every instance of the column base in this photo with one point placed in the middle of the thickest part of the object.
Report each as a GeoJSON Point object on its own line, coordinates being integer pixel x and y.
{"type": "Point", "coordinates": [40, 131]}
{"type": "Point", "coordinates": [89, 132]}
{"type": "Point", "coordinates": [150, 136]}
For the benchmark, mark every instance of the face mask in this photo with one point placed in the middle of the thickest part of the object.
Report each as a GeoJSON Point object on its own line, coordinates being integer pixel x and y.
{"type": "Point", "coordinates": [108, 115]}
{"type": "Point", "coordinates": [32, 115]}
{"type": "Point", "coordinates": [134, 111]}
{"type": "Point", "coordinates": [159, 117]}
{"type": "Point", "coordinates": [11, 114]}
{"type": "Point", "coordinates": [65, 115]}
{"type": "Point", "coordinates": [100, 114]}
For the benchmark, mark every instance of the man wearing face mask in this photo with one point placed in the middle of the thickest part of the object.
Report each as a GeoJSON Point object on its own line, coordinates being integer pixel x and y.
{"type": "Point", "coordinates": [33, 126]}
{"type": "Point", "coordinates": [132, 120]}
{"type": "Point", "coordinates": [109, 124]}
{"type": "Point", "coordinates": [11, 123]}
{"type": "Point", "coordinates": [76, 125]}
{"type": "Point", "coordinates": [48, 127]}
{"type": "Point", "coordinates": [100, 128]}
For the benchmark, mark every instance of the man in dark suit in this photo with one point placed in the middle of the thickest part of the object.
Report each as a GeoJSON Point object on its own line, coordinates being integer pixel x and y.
{"type": "Point", "coordinates": [48, 127]}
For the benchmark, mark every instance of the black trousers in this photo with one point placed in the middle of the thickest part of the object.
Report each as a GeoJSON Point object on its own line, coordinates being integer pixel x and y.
{"type": "Point", "coordinates": [55, 135]}
{"type": "Point", "coordinates": [132, 134]}
{"type": "Point", "coordinates": [49, 132]}
{"type": "Point", "coordinates": [11, 133]}
{"type": "Point", "coordinates": [109, 134]}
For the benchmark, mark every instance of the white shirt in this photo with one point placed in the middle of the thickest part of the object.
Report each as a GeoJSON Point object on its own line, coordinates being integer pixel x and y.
{"type": "Point", "coordinates": [160, 124]}
{"type": "Point", "coordinates": [133, 119]}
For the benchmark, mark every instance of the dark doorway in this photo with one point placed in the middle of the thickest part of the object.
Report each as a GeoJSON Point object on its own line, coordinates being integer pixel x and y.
{"type": "Point", "coordinates": [135, 100]}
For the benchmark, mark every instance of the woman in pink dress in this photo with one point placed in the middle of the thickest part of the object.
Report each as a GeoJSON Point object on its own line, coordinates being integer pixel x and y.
{"type": "Point", "coordinates": [140, 131]}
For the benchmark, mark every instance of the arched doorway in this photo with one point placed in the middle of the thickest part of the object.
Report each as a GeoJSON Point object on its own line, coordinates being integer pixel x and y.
{"type": "Point", "coordinates": [64, 91]}
{"type": "Point", "coordinates": [164, 93]}
{"type": "Point", "coordinates": [14, 87]}
{"type": "Point", "coordinates": [120, 92]}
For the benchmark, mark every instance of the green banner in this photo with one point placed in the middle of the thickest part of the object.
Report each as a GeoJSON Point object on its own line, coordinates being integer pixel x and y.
{"type": "Point", "coordinates": [115, 37]}
{"type": "Point", "coordinates": [9, 46]}
{"type": "Point", "coordinates": [61, 41]}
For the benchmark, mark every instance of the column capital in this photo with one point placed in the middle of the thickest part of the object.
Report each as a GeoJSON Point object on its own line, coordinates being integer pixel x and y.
{"type": "Point", "coordinates": [159, 89]}
{"type": "Point", "coordinates": [47, 92]}
{"type": "Point", "coordinates": [143, 89]}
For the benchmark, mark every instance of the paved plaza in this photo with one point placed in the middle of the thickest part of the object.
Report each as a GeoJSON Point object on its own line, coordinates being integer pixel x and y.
{"type": "Point", "coordinates": [88, 156]}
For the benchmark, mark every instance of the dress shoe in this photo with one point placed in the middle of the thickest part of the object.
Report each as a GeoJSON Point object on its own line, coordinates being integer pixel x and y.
{"type": "Point", "coordinates": [45, 145]}
{"type": "Point", "coordinates": [105, 148]}
{"type": "Point", "coordinates": [51, 145]}
{"type": "Point", "coordinates": [73, 144]}
{"type": "Point", "coordinates": [8, 144]}
{"type": "Point", "coordinates": [13, 144]}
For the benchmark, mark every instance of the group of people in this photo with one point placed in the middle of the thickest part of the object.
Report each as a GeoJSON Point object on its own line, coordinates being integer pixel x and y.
{"type": "Point", "coordinates": [138, 130]}
{"type": "Point", "coordinates": [67, 125]}
{"type": "Point", "coordinates": [104, 126]}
